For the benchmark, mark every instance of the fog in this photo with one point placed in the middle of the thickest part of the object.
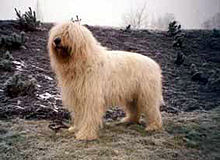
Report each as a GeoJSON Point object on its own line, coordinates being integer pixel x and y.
{"type": "Point", "coordinates": [190, 13]}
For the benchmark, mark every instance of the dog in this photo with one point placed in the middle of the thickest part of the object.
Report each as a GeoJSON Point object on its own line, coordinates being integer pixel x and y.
{"type": "Point", "coordinates": [92, 78]}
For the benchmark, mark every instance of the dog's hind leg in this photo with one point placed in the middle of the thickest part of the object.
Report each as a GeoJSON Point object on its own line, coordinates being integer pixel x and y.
{"type": "Point", "coordinates": [151, 109]}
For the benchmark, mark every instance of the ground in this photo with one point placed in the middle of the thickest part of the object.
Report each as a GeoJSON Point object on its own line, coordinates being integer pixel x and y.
{"type": "Point", "coordinates": [192, 135]}
{"type": "Point", "coordinates": [33, 126]}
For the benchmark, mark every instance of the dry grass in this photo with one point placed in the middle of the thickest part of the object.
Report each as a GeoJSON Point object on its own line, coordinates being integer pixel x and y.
{"type": "Point", "coordinates": [185, 136]}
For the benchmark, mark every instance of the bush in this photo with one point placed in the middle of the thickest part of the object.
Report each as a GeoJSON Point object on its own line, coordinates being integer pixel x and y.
{"type": "Point", "coordinates": [216, 33]}
{"type": "Point", "coordinates": [174, 28]}
{"type": "Point", "coordinates": [77, 19]}
{"type": "Point", "coordinates": [13, 41]}
{"type": "Point", "coordinates": [6, 63]}
{"type": "Point", "coordinates": [179, 58]}
{"type": "Point", "coordinates": [20, 85]}
{"type": "Point", "coordinates": [178, 40]}
{"type": "Point", "coordinates": [6, 55]}
{"type": "Point", "coordinates": [28, 20]}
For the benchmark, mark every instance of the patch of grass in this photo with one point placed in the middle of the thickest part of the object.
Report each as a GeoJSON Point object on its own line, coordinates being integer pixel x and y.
{"type": "Point", "coordinates": [106, 139]}
{"type": "Point", "coordinates": [3, 131]}
{"type": "Point", "coordinates": [106, 152]}
{"type": "Point", "coordinates": [203, 134]}
{"type": "Point", "coordinates": [138, 128]}
{"type": "Point", "coordinates": [184, 137]}
{"type": "Point", "coordinates": [14, 139]}
{"type": "Point", "coordinates": [180, 128]}
{"type": "Point", "coordinates": [178, 140]}
{"type": "Point", "coordinates": [187, 135]}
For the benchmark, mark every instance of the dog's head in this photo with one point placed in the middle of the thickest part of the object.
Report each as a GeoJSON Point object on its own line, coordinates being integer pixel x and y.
{"type": "Point", "coordinates": [70, 39]}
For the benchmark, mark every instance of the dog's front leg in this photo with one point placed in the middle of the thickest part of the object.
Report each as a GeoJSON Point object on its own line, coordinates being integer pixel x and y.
{"type": "Point", "coordinates": [89, 122]}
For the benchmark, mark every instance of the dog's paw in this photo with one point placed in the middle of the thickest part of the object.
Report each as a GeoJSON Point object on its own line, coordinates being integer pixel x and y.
{"type": "Point", "coordinates": [86, 137]}
{"type": "Point", "coordinates": [72, 129]}
{"type": "Point", "coordinates": [152, 128]}
{"type": "Point", "coordinates": [129, 120]}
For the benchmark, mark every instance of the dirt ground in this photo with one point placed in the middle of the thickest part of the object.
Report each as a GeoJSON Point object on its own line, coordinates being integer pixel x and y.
{"type": "Point", "coordinates": [191, 113]}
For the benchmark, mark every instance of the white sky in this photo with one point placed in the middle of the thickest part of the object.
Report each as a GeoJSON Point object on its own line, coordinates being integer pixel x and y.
{"type": "Point", "coordinates": [190, 13]}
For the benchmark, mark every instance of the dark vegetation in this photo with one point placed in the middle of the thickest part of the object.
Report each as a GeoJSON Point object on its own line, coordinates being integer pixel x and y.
{"type": "Point", "coordinates": [6, 63]}
{"type": "Point", "coordinates": [27, 21]}
{"type": "Point", "coordinates": [174, 31]}
{"type": "Point", "coordinates": [174, 28]}
{"type": "Point", "coordinates": [77, 19]}
{"type": "Point", "coordinates": [20, 85]}
{"type": "Point", "coordinates": [13, 41]}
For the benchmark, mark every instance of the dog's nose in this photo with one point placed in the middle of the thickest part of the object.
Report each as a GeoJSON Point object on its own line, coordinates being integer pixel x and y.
{"type": "Point", "coordinates": [57, 40]}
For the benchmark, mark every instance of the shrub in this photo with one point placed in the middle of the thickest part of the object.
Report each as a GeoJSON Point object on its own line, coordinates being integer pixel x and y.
{"type": "Point", "coordinates": [77, 19]}
{"type": "Point", "coordinates": [179, 58]}
{"type": "Point", "coordinates": [6, 55]}
{"type": "Point", "coordinates": [20, 85]}
{"type": "Point", "coordinates": [6, 63]}
{"type": "Point", "coordinates": [28, 20]}
{"type": "Point", "coordinates": [13, 41]}
{"type": "Point", "coordinates": [178, 40]}
{"type": "Point", "coordinates": [128, 28]}
{"type": "Point", "coordinates": [215, 33]}
{"type": "Point", "coordinates": [174, 28]}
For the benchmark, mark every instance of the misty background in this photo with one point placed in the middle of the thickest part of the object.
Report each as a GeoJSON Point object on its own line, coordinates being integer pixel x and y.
{"type": "Point", "coordinates": [155, 14]}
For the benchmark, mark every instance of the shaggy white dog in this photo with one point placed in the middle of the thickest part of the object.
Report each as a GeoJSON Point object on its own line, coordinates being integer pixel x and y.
{"type": "Point", "coordinates": [92, 78]}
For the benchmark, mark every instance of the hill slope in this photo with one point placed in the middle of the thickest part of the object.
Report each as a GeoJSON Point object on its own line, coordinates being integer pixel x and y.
{"type": "Point", "coordinates": [180, 92]}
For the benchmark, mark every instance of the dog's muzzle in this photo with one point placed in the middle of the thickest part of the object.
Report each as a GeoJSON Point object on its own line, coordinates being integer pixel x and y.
{"type": "Point", "coordinates": [57, 42]}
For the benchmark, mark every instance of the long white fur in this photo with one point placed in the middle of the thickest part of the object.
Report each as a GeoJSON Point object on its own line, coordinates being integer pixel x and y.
{"type": "Point", "coordinates": [92, 79]}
